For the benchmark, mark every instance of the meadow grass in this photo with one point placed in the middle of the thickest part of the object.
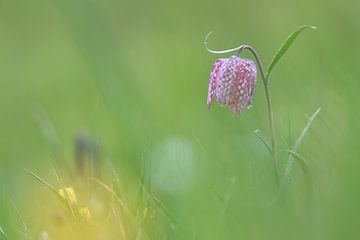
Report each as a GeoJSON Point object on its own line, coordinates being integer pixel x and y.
{"type": "Point", "coordinates": [118, 89]}
{"type": "Point", "coordinates": [131, 219]}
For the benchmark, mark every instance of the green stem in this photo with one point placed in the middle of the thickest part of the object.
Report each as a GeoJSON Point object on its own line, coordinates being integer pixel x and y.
{"type": "Point", "coordinates": [272, 130]}
{"type": "Point", "coordinates": [269, 106]}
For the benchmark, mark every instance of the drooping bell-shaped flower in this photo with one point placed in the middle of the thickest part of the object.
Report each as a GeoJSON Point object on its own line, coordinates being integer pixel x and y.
{"type": "Point", "coordinates": [232, 83]}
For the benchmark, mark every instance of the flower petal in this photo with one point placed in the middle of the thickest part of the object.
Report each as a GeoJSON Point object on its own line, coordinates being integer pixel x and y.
{"type": "Point", "coordinates": [232, 83]}
{"type": "Point", "coordinates": [213, 80]}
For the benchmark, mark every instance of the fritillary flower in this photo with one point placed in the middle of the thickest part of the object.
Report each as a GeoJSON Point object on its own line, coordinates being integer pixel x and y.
{"type": "Point", "coordinates": [232, 83]}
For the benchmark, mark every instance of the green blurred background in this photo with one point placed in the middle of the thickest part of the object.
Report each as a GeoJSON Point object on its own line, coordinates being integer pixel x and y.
{"type": "Point", "coordinates": [132, 76]}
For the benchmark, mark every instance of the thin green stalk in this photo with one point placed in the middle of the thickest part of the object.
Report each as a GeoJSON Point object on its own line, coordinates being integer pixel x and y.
{"type": "Point", "coordinates": [269, 106]}
{"type": "Point", "coordinates": [272, 130]}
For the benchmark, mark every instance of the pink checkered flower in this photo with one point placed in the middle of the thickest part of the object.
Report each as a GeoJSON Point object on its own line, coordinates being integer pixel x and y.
{"type": "Point", "coordinates": [232, 83]}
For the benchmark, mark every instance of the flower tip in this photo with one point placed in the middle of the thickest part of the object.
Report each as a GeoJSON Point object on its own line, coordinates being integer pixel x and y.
{"type": "Point", "coordinates": [209, 101]}
{"type": "Point", "coordinates": [206, 37]}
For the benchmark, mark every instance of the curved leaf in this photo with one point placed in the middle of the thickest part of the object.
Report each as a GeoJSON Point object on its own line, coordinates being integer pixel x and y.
{"type": "Point", "coordinates": [282, 50]}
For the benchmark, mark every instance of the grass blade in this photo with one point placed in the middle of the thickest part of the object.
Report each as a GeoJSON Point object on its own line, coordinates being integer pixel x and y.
{"type": "Point", "coordinates": [165, 211]}
{"type": "Point", "coordinates": [115, 195]}
{"type": "Point", "coordinates": [305, 129]}
{"type": "Point", "coordinates": [123, 207]}
{"type": "Point", "coordinates": [301, 159]}
{"type": "Point", "coordinates": [2, 233]}
{"type": "Point", "coordinates": [117, 179]}
{"type": "Point", "coordinates": [51, 188]}
{"type": "Point", "coordinates": [299, 140]}
{"type": "Point", "coordinates": [262, 139]}
{"type": "Point", "coordinates": [308, 178]}
{"type": "Point", "coordinates": [25, 228]}
{"type": "Point", "coordinates": [72, 209]}
{"type": "Point", "coordinates": [282, 50]}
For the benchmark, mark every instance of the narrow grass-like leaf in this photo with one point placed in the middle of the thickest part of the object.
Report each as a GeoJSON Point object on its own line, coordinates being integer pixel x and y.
{"type": "Point", "coordinates": [304, 164]}
{"type": "Point", "coordinates": [161, 206]}
{"type": "Point", "coordinates": [299, 140]}
{"type": "Point", "coordinates": [116, 196]}
{"type": "Point", "coordinates": [21, 219]}
{"type": "Point", "coordinates": [221, 51]}
{"type": "Point", "coordinates": [51, 138]}
{"type": "Point", "coordinates": [121, 223]}
{"type": "Point", "coordinates": [305, 129]}
{"type": "Point", "coordinates": [262, 139]}
{"type": "Point", "coordinates": [51, 188]}
{"type": "Point", "coordinates": [3, 233]}
{"type": "Point", "coordinates": [121, 203]}
{"type": "Point", "coordinates": [145, 193]}
{"type": "Point", "coordinates": [73, 209]}
{"type": "Point", "coordinates": [282, 50]}
{"type": "Point", "coordinates": [143, 197]}
{"type": "Point", "coordinates": [117, 179]}
{"type": "Point", "coordinates": [308, 177]}
{"type": "Point", "coordinates": [165, 211]}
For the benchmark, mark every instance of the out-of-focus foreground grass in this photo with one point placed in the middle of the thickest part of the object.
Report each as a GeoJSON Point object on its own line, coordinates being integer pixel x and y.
{"type": "Point", "coordinates": [121, 86]}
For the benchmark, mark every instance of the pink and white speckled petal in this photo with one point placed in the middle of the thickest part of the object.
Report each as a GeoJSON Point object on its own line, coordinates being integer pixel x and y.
{"type": "Point", "coordinates": [213, 80]}
{"type": "Point", "coordinates": [232, 83]}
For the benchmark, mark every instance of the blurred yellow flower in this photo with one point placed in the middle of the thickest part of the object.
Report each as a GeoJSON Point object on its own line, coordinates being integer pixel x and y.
{"type": "Point", "coordinates": [69, 194]}
{"type": "Point", "coordinates": [85, 213]}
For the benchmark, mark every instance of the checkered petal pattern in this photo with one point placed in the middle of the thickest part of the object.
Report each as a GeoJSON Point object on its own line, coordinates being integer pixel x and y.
{"type": "Point", "coordinates": [232, 83]}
